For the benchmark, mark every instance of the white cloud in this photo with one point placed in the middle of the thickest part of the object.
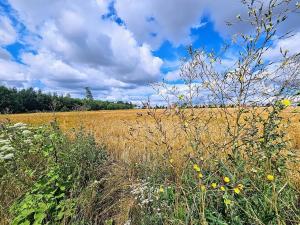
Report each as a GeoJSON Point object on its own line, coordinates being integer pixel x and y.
{"type": "Point", "coordinates": [74, 47]}
{"type": "Point", "coordinates": [172, 19]}
{"type": "Point", "coordinates": [291, 44]}
{"type": "Point", "coordinates": [4, 54]}
{"type": "Point", "coordinates": [173, 75]}
{"type": "Point", "coordinates": [12, 73]}
{"type": "Point", "coordinates": [153, 21]}
{"type": "Point", "coordinates": [8, 35]}
{"type": "Point", "coordinates": [77, 48]}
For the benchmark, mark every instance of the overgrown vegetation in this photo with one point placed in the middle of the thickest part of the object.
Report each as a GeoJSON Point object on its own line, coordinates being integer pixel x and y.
{"type": "Point", "coordinates": [47, 177]}
{"type": "Point", "coordinates": [225, 165]}
{"type": "Point", "coordinates": [29, 100]}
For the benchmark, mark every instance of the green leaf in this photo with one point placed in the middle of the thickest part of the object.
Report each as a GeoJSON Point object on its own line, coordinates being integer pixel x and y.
{"type": "Point", "coordinates": [39, 217]}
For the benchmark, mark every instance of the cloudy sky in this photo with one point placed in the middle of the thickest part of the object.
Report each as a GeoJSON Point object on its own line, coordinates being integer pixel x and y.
{"type": "Point", "coordinates": [116, 47]}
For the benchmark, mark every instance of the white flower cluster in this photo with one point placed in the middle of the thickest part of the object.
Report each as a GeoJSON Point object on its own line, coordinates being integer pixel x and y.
{"type": "Point", "coordinates": [8, 133]}
{"type": "Point", "coordinates": [18, 126]}
{"type": "Point", "coordinates": [128, 222]}
{"type": "Point", "coordinates": [143, 193]}
{"type": "Point", "coordinates": [6, 150]}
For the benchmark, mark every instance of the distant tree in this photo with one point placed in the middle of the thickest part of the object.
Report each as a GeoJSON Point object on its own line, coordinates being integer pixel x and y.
{"type": "Point", "coordinates": [88, 94]}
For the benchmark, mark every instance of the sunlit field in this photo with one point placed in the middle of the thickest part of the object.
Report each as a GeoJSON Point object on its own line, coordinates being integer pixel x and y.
{"type": "Point", "coordinates": [112, 128]}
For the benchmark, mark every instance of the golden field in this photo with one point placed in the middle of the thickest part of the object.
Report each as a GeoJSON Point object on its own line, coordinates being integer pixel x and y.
{"type": "Point", "coordinates": [112, 128]}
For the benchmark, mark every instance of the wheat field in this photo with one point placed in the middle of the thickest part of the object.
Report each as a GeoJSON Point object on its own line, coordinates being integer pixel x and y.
{"type": "Point", "coordinates": [112, 128]}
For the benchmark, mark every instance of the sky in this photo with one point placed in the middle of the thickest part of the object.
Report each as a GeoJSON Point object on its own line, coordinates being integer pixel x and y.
{"type": "Point", "coordinates": [118, 48]}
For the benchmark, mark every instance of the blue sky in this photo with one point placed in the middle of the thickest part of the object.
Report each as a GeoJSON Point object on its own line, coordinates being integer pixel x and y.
{"type": "Point", "coordinates": [116, 47]}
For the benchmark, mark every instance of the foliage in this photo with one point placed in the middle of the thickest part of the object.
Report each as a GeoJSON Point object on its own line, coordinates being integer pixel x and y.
{"type": "Point", "coordinates": [45, 173]}
{"type": "Point", "coordinates": [29, 100]}
{"type": "Point", "coordinates": [256, 189]}
{"type": "Point", "coordinates": [236, 171]}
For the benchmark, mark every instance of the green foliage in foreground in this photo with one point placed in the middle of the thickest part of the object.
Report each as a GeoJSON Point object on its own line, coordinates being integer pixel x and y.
{"type": "Point", "coordinates": [29, 100]}
{"type": "Point", "coordinates": [43, 174]}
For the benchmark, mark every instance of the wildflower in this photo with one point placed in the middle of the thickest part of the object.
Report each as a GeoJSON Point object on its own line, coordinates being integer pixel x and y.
{"type": "Point", "coordinates": [227, 201]}
{"type": "Point", "coordinates": [171, 161]}
{"type": "Point", "coordinates": [270, 177]}
{"type": "Point", "coordinates": [214, 185]}
{"type": "Point", "coordinates": [240, 186]}
{"type": "Point", "coordinates": [19, 125]}
{"type": "Point", "coordinates": [254, 170]}
{"type": "Point", "coordinates": [196, 168]}
{"type": "Point", "coordinates": [286, 102]}
{"type": "Point", "coordinates": [237, 190]}
{"type": "Point", "coordinates": [200, 175]}
{"type": "Point", "coordinates": [161, 190]}
{"type": "Point", "coordinates": [222, 188]}
{"type": "Point", "coordinates": [203, 188]}
{"type": "Point", "coordinates": [26, 132]}
{"type": "Point", "coordinates": [8, 156]}
{"type": "Point", "coordinates": [226, 179]}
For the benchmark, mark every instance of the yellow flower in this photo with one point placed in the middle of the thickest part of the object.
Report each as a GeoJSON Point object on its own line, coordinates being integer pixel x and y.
{"type": "Point", "coordinates": [200, 175]}
{"type": "Point", "coordinates": [286, 102]}
{"type": "Point", "coordinates": [270, 177]}
{"type": "Point", "coordinates": [171, 161]}
{"type": "Point", "coordinates": [240, 186]}
{"type": "Point", "coordinates": [227, 201]}
{"type": "Point", "coordinates": [203, 188]}
{"type": "Point", "coordinates": [222, 188]}
{"type": "Point", "coordinates": [236, 190]}
{"type": "Point", "coordinates": [226, 179]}
{"type": "Point", "coordinates": [161, 190]}
{"type": "Point", "coordinates": [180, 97]}
{"type": "Point", "coordinates": [196, 168]}
{"type": "Point", "coordinates": [214, 185]}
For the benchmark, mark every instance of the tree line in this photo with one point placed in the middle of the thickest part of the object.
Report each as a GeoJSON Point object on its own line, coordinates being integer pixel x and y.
{"type": "Point", "coordinates": [13, 100]}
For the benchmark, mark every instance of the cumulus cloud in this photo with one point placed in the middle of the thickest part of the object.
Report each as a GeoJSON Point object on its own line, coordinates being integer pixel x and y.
{"type": "Point", "coordinates": [153, 21]}
{"type": "Point", "coordinates": [71, 44]}
{"type": "Point", "coordinates": [77, 47]}
{"type": "Point", "coordinates": [12, 73]}
{"type": "Point", "coordinates": [291, 44]}
{"type": "Point", "coordinates": [8, 35]}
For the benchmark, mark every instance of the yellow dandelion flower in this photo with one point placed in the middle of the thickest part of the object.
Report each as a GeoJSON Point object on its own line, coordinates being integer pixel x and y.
{"type": "Point", "coordinates": [270, 177]}
{"type": "Point", "coordinates": [227, 201]}
{"type": "Point", "coordinates": [196, 168]}
{"type": "Point", "coordinates": [200, 175]}
{"type": "Point", "coordinates": [226, 179]}
{"type": "Point", "coordinates": [203, 188]}
{"type": "Point", "coordinates": [222, 188]}
{"type": "Point", "coordinates": [240, 186]}
{"type": "Point", "coordinates": [237, 190]}
{"type": "Point", "coordinates": [286, 102]}
{"type": "Point", "coordinates": [181, 97]}
{"type": "Point", "coordinates": [214, 185]}
{"type": "Point", "coordinates": [161, 190]}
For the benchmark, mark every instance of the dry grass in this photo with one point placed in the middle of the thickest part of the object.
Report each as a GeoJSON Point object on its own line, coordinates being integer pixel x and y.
{"type": "Point", "coordinates": [112, 128]}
